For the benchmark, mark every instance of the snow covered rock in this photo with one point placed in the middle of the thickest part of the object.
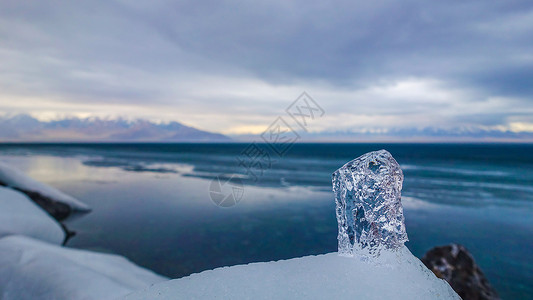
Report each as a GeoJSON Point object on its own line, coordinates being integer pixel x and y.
{"type": "Point", "coordinates": [19, 215]}
{"type": "Point", "coordinates": [393, 275]}
{"type": "Point", "coordinates": [55, 202]}
{"type": "Point", "coordinates": [31, 269]}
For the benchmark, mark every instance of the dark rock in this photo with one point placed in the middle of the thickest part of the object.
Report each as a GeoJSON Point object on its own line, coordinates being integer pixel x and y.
{"type": "Point", "coordinates": [60, 211]}
{"type": "Point", "coordinates": [456, 265]}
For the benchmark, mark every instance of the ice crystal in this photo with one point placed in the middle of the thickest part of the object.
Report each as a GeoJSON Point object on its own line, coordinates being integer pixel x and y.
{"type": "Point", "coordinates": [368, 204]}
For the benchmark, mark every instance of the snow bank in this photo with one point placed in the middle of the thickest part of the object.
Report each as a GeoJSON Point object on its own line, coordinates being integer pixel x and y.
{"type": "Point", "coordinates": [30, 269]}
{"type": "Point", "coordinates": [393, 275]}
{"type": "Point", "coordinates": [16, 179]}
{"type": "Point", "coordinates": [19, 215]}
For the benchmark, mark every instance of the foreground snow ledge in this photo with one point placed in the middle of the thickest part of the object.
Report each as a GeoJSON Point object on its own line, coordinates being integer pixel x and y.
{"type": "Point", "coordinates": [393, 275]}
{"type": "Point", "coordinates": [32, 269]}
{"type": "Point", "coordinates": [19, 215]}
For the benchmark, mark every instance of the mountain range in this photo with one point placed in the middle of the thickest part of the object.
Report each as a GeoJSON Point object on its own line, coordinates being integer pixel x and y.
{"type": "Point", "coordinates": [425, 134]}
{"type": "Point", "coordinates": [25, 128]}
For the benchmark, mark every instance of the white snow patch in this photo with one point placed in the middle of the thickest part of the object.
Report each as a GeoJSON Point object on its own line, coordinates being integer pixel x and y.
{"type": "Point", "coordinates": [31, 269]}
{"type": "Point", "coordinates": [393, 275]}
{"type": "Point", "coordinates": [19, 215]}
{"type": "Point", "coordinates": [16, 179]}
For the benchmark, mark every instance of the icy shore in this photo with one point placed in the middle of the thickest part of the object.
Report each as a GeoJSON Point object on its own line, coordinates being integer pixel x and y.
{"type": "Point", "coordinates": [34, 266]}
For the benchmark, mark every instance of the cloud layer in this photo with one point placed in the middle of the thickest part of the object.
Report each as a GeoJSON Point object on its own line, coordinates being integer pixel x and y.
{"type": "Point", "coordinates": [233, 67]}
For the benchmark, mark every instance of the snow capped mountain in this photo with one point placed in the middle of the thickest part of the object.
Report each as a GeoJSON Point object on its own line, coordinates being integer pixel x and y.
{"type": "Point", "coordinates": [26, 128]}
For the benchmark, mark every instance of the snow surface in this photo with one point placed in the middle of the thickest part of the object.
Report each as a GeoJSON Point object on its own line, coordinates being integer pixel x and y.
{"type": "Point", "coordinates": [16, 179]}
{"type": "Point", "coordinates": [31, 269]}
{"type": "Point", "coordinates": [19, 215]}
{"type": "Point", "coordinates": [393, 275]}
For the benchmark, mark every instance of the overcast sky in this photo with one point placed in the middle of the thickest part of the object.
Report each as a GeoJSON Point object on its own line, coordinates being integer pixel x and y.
{"type": "Point", "coordinates": [234, 66]}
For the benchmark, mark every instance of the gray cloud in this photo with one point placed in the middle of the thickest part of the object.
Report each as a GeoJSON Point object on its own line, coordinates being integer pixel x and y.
{"type": "Point", "coordinates": [238, 59]}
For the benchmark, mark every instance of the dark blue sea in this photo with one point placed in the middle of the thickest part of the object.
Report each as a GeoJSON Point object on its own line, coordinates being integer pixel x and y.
{"type": "Point", "coordinates": [157, 204]}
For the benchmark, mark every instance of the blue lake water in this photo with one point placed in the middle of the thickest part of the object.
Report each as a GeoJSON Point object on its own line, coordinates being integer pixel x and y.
{"type": "Point", "coordinates": [152, 204]}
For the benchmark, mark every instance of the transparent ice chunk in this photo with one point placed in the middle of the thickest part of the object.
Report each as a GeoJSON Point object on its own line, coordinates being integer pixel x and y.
{"type": "Point", "coordinates": [368, 204]}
